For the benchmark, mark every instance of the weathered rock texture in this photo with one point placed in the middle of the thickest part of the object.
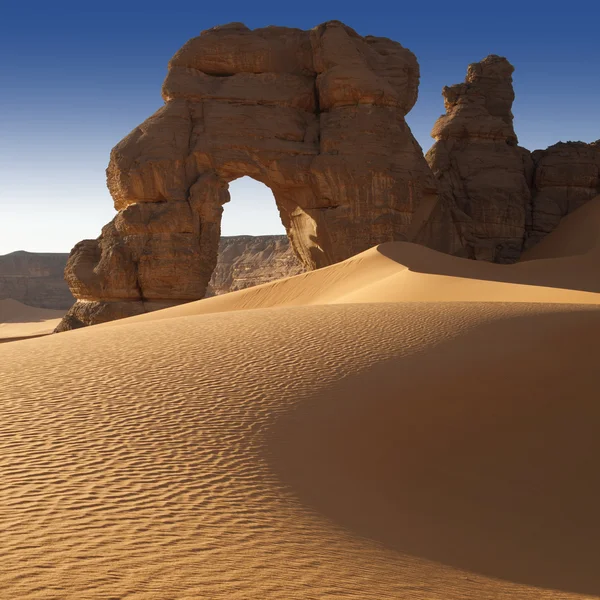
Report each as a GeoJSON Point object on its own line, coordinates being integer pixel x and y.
{"type": "Point", "coordinates": [35, 279]}
{"type": "Point", "coordinates": [483, 175]}
{"type": "Point", "coordinates": [497, 199]}
{"type": "Point", "coordinates": [317, 116]}
{"type": "Point", "coordinates": [245, 261]}
{"type": "Point", "coordinates": [567, 175]}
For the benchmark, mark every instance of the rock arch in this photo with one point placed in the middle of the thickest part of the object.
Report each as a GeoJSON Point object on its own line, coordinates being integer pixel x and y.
{"type": "Point", "coordinates": [317, 116]}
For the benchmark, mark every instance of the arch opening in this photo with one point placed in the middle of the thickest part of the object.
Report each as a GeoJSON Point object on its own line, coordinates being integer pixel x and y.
{"type": "Point", "coordinates": [252, 210]}
{"type": "Point", "coordinates": [253, 247]}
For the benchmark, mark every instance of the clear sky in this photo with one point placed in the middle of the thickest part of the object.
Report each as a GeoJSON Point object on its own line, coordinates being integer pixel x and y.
{"type": "Point", "coordinates": [78, 76]}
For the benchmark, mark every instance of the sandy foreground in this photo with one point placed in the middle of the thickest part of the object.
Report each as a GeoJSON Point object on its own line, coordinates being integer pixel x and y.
{"type": "Point", "coordinates": [401, 425]}
{"type": "Point", "coordinates": [19, 321]}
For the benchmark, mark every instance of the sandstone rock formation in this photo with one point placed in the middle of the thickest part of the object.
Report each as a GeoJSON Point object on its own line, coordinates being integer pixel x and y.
{"type": "Point", "coordinates": [495, 198]}
{"type": "Point", "coordinates": [317, 116]}
{"type": "Point", "coordinates": [245, 261]}
{"type": "Point", "coordinates": [483, 175]}
{"type": "Point", "coordinates": [567, 175]}
{"type": "Point", "coordinates": [35, 279]}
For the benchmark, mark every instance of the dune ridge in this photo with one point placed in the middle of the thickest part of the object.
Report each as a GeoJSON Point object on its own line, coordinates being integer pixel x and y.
{"type": "Point", "coordinates": [406, 272]}
{"type": "Point", "coordinates": [371, 430]}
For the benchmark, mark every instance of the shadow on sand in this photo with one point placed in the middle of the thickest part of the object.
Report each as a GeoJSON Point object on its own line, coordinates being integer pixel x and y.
{"type": "Point", "coordinates": [481, 453]}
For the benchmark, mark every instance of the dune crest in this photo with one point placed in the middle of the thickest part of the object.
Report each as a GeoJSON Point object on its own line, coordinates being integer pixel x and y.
{"type": "Point", "coordinates": [405, 272]}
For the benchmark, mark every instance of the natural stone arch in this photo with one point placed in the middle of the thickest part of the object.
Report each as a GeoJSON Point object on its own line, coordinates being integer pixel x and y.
{"type": "Point", "coordinates": [317, 116]}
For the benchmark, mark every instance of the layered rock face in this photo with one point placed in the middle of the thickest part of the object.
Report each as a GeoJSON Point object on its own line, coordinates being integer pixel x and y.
{"type": "Point", "coordinates": [35, 279]}
{"type": "Point", "coordinates": [567, 175]}
{"type": "Point", "coordinates": [317, 116]}
{"type": "Point", "coordinates": [245, 261]}
{"type": "Point", "coordinates": [484, 177]}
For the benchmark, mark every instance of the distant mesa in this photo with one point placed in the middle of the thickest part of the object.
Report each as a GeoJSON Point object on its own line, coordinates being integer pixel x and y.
{"type": "Point", "coordinates": [318, 117]}
{"type": "Point", "coordinates": [35, 279]}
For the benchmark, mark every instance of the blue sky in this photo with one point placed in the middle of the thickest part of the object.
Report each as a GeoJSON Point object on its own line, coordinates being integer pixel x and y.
{"type": "Point", "coordinates": [78, 76]}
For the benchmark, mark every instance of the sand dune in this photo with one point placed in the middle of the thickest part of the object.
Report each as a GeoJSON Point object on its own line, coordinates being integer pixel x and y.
{"type": "Point", "coordinates": [405, 272]}
{"type": "Point", "coordinates": [19, 321]}
{"type": "Point", "coordinates": [377, 429]}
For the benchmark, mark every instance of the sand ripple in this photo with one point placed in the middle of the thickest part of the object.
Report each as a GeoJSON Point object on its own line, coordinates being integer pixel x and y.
{"type": "Point", "coordinates": [149, 460]}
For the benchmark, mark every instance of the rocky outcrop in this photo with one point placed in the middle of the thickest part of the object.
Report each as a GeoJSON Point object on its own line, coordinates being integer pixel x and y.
{"type": "Point", "coordinates": [484, 177]}
{"type": "Point", "coordinates": [567, 175]}
{"type": "Point", "coordinates": [317, 116]}
{"type": "Point", "coordinates": [497, 199]}
{"type": "Point", "coordinates": [245, 261]}
{"type": "Point", "coordinates": [35, 279]}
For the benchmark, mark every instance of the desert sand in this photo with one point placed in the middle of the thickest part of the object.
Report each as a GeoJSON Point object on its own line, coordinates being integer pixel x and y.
{"type": "Point", "coordinates": [19, 321]}
{"type": "Point", "coordinates": [403, 424]}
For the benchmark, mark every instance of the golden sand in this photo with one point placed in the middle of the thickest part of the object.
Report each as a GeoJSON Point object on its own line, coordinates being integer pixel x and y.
{"type": "Point", "coordinates": [19, 321]}
{"type": "Point", "coordinates": [403, 425]}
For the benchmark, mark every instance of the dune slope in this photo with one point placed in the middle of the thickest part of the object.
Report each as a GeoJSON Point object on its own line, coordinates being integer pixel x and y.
{"type": "Point", "coordinates": [367, 431]}
{"type": "Point", "coordinates": [18, 321]}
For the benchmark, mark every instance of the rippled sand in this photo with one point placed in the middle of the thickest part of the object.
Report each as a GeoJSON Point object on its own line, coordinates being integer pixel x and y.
{"type": "Point", "coordinates": [370, 430]}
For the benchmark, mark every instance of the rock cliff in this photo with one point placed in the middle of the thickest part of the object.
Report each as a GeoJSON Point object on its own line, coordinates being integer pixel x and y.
{"type": "Point", "coordinates": [35, 279]}
{"type": "Point", "coordinates": [317, 116]}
